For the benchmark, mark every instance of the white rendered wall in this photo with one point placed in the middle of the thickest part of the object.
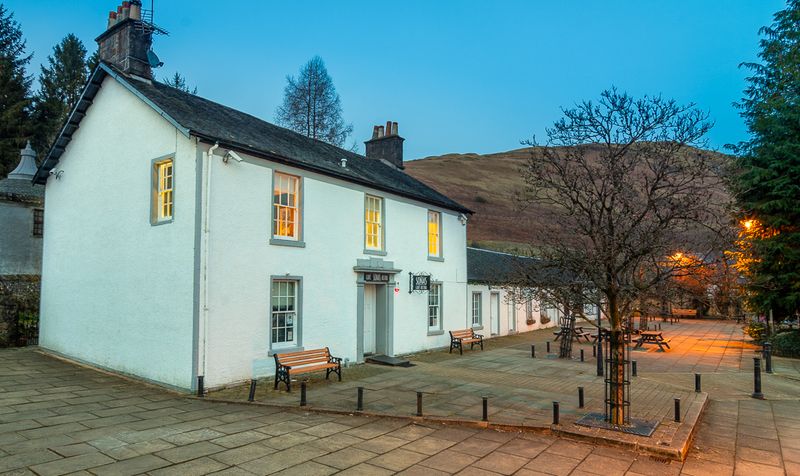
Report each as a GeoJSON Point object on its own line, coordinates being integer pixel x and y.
{"type": "Point", "coordinates": [242, 262]}
{"type": "Point", "coordinates": [116, 291]}
{"type": "Point", "coordinates": [507, 312]}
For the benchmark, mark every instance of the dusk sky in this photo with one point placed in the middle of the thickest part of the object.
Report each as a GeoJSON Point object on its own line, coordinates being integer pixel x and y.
{"type": "Point", "coordinates": [463, 76]}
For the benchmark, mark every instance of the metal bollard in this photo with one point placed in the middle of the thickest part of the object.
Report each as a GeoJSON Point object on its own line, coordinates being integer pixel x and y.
{"type": "Point", "coordinates": [633, 368]}
{"type": "Point", "coordinates": [533, 351]}
{"type": "Point", "coordinates": [555, 413]}
{"type": "Point", "coordinates": [768, 357]}
{"type": "Point", "coordinates": [678, 410]}
{"type": "Point", "coordinates": [580, 397]}
{"type": "Point", "coordinates": [252, 395]}
{"type": "Point", "coordinates": [697, 383]}
{"type": "Point", "coordinates": [302, 394]}
{"type": "Point", "coordinates": [360, 399]}
{"type": "Point", "coordinates": [485, 409]}
{"type": "Point", "coordinates": [659, 326]}
{"type": "Point", "coordinates": [548, 347]}
{"type": "Point", "coordinates": [599, 356]}
{"type": "Point", "coordinates": [419, 403]}
{"type": "Point", "coordinates": [581, 355]}
{"type": "Point", "coordinates": [594, 350]}
{"type": "Point", "coordinates": [201, 392]}
{"type": "Point", "coordinates": [757, 379]}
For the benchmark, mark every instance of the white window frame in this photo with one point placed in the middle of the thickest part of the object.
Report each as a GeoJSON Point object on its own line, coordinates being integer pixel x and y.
{"type": "Point", "coordinates": [435, 307]}
{"type": "Point", "coordinates": [378, 222]}
{"type": "Point", "coordinates": [530, 319]}
{"type": "Point", "coordinates": [162, 194]}
{"type": "Point", "coordinates": [477, 310]}
{"type": "Point", "coordinates": [296, 314]}
{"type": "Point", "coordinates": [293, 187]}
{"type": "Point", "coordinates": [437, 255]}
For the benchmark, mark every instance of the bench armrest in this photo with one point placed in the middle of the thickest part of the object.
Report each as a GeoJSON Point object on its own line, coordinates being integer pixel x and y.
{"type": "Point", "coordinates": [478, 336]}
{"type": "Point", "coordinates": [335, 360]}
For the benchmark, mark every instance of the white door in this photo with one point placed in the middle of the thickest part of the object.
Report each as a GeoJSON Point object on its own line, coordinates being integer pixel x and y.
{"type": "Point", "coordinates": [512, 316]}
{"type": "Point", "coordinates": [369, 319]}
{"type": "Point", "coordinates": [494, 312]}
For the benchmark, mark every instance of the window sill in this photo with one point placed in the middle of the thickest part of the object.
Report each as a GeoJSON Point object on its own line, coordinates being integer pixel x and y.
{"type": "Point", "coordinates": [477, 327]}
{"type": "Point", "coordinates": [292, 243]}
{"type": "Point", "coordinates": [374, 252]}
{"type": "Point", "coordinates": [283, 350]}
{"type": "Point", "coordinates": [161, 222]}
{"type": "Point", "coordinates": [436, 258]}
{"type": "Point", "coordinates": [436, 333]}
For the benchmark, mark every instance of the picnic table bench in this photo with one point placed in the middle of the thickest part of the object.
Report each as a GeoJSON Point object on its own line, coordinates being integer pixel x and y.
{"type": "Point", "coordinates": [293, 363]}
{"type": "Point", "coordinates": [677, 313]}
{"type": "Point", "coordinates": [579, 332]}
{"type": "Point", "coordinates": [652, 337]}
{"type": "Point", "coordinates": [464, 336]}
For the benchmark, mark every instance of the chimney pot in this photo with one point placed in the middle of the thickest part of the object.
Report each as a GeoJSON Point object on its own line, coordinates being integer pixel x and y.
{"type": "Point", "coordinates": [380, 131]}
{"type": "Point", "coordinates": [394, 128]}
{"type": "Point", "coordinates": [388, 128]}
{"type": "Point", "coordinates": [375, 132]}
{"type": "Point", "coordinates": [136, 9]}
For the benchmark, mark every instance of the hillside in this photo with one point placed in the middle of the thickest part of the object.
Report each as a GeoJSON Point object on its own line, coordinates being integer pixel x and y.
{"type": "Point", "coordinates": [487, 184]}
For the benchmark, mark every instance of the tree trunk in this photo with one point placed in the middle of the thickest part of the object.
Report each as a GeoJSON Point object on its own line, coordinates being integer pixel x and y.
{"type": "Point", "coordinates": [616, 378]}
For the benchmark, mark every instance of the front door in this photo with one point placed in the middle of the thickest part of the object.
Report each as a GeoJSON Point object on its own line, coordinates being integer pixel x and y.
{"type": "Point", "coordinates": [369, 318]}
{"type": "Point", "coordinates": [494, 312]}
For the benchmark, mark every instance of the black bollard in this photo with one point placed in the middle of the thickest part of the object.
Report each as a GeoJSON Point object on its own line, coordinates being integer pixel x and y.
{"type": "Point", "coordinates": [252, 395]}
{"type": "Point", "coordinates": [548, 347]}
{"type": "Point", "coordinates": [302, 394]}
{"type": "Point", "coordinates": [768, 357]}
{"type": "Point", "coordinates": [678, 410]}
{"type": "Point", "coordinates": [201, 392]}
{"type": "Point", "coordinates": [599, 355]}
{"type": "Point", "coordinates": [594, 350]}
{"type": "Point", "coordinates": [580, 397]}
{"type": "Point", "coordinates": [659, 326]}
{"type": "Point", "coordinates": [419, 403]}
{"type": "Point", "coordinates": [555, 413]}
{"type": "Point", "coordinates": [757, 379]}
{"type": "Point", "coordinates": [633, 368]}
{"type": "Point", "coordinates": [533, 351]}
{"type": "Point", "coordinates": [581, 355]}
{"type": "Point", "coordinates": [360, 400]}
{"type": "Point", "coordinates": [697, 383]}
{"type": "Point", "coordinates": [485, 409]}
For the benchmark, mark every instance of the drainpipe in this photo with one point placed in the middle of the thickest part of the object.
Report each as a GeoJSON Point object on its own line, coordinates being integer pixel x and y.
{"type": "Point", "coordinates": [201, 361]}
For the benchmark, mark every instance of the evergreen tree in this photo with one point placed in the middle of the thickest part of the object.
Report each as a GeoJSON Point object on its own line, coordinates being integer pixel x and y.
{"type": "Point", "coordinates": [767, 187]}
{"type": "Point", "coordinates": [93, 61]}
{"type": "Point", "coordinates": [177, 81]}
{"type": "Point", "coordinates": [14, 92]}
{"type": "Point", "coordinates": [60, 85]}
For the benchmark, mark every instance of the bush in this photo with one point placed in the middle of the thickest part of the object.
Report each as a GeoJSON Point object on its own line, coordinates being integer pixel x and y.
{"type": "Point", "coordinates": [756, 330]}
{"type": "Point", "coordinates": [786, 344]}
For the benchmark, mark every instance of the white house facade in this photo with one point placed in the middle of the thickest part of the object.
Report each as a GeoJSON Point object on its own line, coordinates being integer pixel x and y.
{"type": "Point", "coordinates": [187, 242]}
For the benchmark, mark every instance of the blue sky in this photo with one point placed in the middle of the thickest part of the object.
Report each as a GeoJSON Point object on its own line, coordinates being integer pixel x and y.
{"type": "Point", "coordinates": [466, 76]}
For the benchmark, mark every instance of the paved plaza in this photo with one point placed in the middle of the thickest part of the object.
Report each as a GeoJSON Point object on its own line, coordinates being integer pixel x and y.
{"type": "Point", "coordinates": [59, 418]}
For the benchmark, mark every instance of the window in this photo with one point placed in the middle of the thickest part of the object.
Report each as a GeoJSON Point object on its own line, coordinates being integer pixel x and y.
{"type": "Point", "coordinates": [285, 313]}
{"type": "Point", "coordinates": [38, 222]}
{"type": "Point", "coordinates": [435, 307]}
{"type": "Point", "coordinates": [529, 318]}
{"type": "Point", "coordinates": [373, 223]}
{"type": "Point", "coordinates": [163, 191]}
{"type": "Point", "coordinates": [434, 234]}
{"type": "Point", "coordinates": [477, 308]}
{"type": "Point", "coordinates": [286, 207]}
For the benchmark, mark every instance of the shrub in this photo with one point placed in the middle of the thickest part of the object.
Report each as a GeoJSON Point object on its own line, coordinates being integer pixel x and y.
{"type": "Point", "coordinates": [756, 330]}
{"type": "Point", "coordinates": [786, 344]}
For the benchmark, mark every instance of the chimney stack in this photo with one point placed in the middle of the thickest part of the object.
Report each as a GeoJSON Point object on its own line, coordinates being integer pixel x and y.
{"type": "Point", "coordinates": [386, 145]}
{"type": "Point", "coordinates": [127, 40]}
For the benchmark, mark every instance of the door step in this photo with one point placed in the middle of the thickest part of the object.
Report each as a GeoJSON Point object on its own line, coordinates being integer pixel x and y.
{"type": "Point", "coordinates": [386, 360]}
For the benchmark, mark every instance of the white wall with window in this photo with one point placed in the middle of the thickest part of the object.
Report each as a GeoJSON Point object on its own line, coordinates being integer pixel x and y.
{"type": "Point", "coordinates": [512, 317]}
{"type": "Point", "coordinates": [435, 309]}
{"type": "Point", "coordinates": [373, 224]}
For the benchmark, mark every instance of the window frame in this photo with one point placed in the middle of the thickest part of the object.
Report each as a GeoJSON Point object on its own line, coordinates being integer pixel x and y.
{"type": "Point", "coordinates": [440, 254]}
{"type": "Point", "coordinates": [297, 344]}
{"type": "Point", "coordinates": [381, 225]}
{"type": "Point", "coordinates": [297, 240]}
{"type": "Point", "coordinates": [155, 190]}
{"type": "Point", "coordinates": [439, 328]}
{"type": "Point", "coordinates": [479, 309]}
{"type": "Point", "coordinates": [37, 230]}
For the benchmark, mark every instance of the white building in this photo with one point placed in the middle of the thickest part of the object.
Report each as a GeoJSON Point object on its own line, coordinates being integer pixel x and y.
{"type": "Point", "coordinates": [186, 239]}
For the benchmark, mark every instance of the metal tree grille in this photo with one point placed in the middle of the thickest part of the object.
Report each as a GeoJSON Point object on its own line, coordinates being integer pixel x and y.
{"type": "Point", "coordinates": [567, 333]}
{"type": "Point", "coordinates": [615, 380]}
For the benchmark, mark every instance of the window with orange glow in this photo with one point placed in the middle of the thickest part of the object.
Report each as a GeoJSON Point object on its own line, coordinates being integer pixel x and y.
{"type": "Point", "coordinates": [286, 209]}
{"type": "Point", "coordinates": [373, 223]}
{"type": "Point", "coordinates": [434, 233]}
{"type": "Point", "coordinates": [164, 190]}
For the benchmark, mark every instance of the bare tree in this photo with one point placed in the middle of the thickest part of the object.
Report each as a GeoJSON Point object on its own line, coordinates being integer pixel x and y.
{"type": "Point", "coordinates": [311, 105]}
{"type": "Point", "coordinates": [624, 189]}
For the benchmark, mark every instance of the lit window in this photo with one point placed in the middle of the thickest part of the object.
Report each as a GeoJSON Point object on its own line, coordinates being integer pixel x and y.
{"type": "Point", "coordinates": [435, 307]}
{"type": "Point", "coordinates": [286, 208]}
{"type": "Point", "coordinates": [434, 233]}
{"type": "Point", "coordinates": [285, 314]}
{"type": "Point", "coordinates": [373, 216]}
{"type": "Point", "coordinates": [163, 191]}
{"type": "Point", "coordinates": [477, 308]}
{"type": "Point", "coordinates": [38, 222]}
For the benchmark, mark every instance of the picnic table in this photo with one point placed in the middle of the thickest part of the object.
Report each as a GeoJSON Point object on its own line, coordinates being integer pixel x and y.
{"type": "Point", "coordinates": [652, 337]}
{"type": "Point", "coordinates": [579, 332]}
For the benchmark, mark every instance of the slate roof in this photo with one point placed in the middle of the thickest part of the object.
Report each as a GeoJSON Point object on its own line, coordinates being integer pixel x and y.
{"type": "Point", "coordinates": [497, 268]}
{"type": "Point", "coordinates": [237, 130]}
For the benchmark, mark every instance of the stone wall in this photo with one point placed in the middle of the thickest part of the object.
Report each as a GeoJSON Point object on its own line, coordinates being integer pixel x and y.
{"type": "Point", "coordinates": [18, 294]}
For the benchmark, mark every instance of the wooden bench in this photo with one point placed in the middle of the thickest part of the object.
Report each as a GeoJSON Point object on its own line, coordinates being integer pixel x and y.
{"type": "Point", "coordinates": [678, 313]}
{"type": "Point", "coordinates": [579, 332]}
{"type": "Point", "coordinates": [464, 336]}
{"type": "Point", "coordinates": [293, 363]}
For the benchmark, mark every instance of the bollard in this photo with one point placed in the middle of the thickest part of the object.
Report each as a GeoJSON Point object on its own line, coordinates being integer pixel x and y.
{"type": "Point", "coordinates": [419, 403]}
{"type": "Point", "coordinates": [659, 326]}
{"type": "Point", "coordinates": [581, 355]}
{"type": "Point", "coordinates": [633, 368]}
{"type": "Point", "coordinates": [599, 356]}
{"type": "Point", "coordinates": [201, 392]}
{"type": "Point", "coordinates": [555, 413]}
{"type": "Point", "coordinates": [678, 410]}
{"type": "Point", "coordinates": [757, 379]}
{"type": "Point", "coordinates": [533, 351]}
{"type": "Point", "coordinates": [302, 394]}
{"type": "Point", "coordinates": [697, 383]}
{"type": "Point", "coordinates": [594, 350]}
{"type": "Point", "coordinates": [252, 395]}
{"type": "Point", "coordinates": [548, 347]}
{"type": "Point", "coordinates": [360, 400]}
{"type": "Point", "coordinates": [580, 397]}
{"type": "Point", "coordinates": [485, 409]}
{"type": "Point", "coordinates": [768, 357]}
